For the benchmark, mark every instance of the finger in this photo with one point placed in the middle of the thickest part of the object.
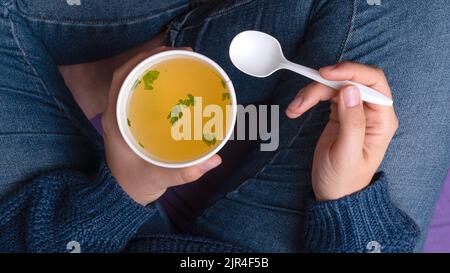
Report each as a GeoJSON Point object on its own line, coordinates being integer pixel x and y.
{"type": "Point", "coordinates": [308, 97]}
{"type": "Point", "coordinates": [187, 48]}
{"type": "Point", "coordinates": [364, 74]}
{"type": "Point", "coordinates": [194, 173]}
{"type": "Point", "coordinates": [352, 123]}
{"type": "Point", "coordinates": [360, 73]}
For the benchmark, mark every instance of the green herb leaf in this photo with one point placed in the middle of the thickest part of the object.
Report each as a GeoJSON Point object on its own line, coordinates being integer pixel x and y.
{"type": "Point", "coordinates": [224, 84]}
{"type": "Point", "coordinates": [149, 78]}
{"type": "Point", "coordinates": [176, 112]}
{"type": "Point", "coordinates": [190, 101]}
{"type": "Point", "coordinates": [129, 122]}
{"type": "Point", "coordinates": [173, 120]}
{"type": "Point", "coordinates": [209, 139]}
{"type": "Point", "coordinates": [226, 96]}
{"type": "Point", "coordinates": [140, 144]}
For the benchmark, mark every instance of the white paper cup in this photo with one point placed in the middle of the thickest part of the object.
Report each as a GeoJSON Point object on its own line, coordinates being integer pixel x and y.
{"type": "Point", "coordinates": [125, 95]}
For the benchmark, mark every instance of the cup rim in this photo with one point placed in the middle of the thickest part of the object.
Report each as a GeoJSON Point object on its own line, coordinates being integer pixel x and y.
{"type": "Point", "coordinates": [126, 90]}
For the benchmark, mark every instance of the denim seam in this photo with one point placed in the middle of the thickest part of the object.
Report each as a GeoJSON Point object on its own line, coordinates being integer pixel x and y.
{"type": "Point", "coordinates": [345, 42]}
{"type": "Point", "coordinates": [267, 207]}
{"type": "Point", "coordinates": [175, 27]}
{"type": "Point", "coordinates": [13, 33]}
{"type": "Point", "coordinates": [289, 143]}
{"type": "Point", "coordinates": [99, 23]}
{"type": "Point", "coordinates": [7, 90]}
{"type": "Point", "coordinates": [226, 10]}
{"type": "Point", "coordinates": [340, 56]}
{"type": "Point", "coordinates": [312, 13]}
{"type": "Point", "coordinates": [58, 103]}
{"type": "Point", "coordinates": [210, 17]}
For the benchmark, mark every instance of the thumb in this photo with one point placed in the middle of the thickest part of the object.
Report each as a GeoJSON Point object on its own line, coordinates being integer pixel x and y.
{"type": "Point", "coordinates": [196, 172]}
{"type": "Point", "coordinates": [352, 122]}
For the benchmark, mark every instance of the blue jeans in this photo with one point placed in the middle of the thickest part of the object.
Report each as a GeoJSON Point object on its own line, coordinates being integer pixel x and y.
{"type": "Point", "coordinates": [261, 203]}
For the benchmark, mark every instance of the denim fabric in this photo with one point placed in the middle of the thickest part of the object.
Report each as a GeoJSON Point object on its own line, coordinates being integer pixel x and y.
{"type": "Point", "coordinates": [96, 29]}
{"type": "Point", "coordinates": [42, 128]}
{"type": "Point", "coordinates": [261, 204]}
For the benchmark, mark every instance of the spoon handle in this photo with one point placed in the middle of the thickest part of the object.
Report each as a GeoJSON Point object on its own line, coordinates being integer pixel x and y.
{"type": "Point", "coordinates": [367, 94]}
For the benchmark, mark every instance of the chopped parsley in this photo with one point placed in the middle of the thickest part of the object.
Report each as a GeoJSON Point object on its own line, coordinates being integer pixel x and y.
{"type": "Point", "coordinates": [149, 78]}
{"type": "Point", "coordinates": [226, 96]}
{"type": "Point", "coordinates": [209, 139]}
{"type": "Point", "coordinates": [176, 113]}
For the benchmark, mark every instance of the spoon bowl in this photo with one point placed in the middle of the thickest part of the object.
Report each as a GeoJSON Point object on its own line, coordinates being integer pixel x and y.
{"type": "Point", "coordinates": [255, 53]}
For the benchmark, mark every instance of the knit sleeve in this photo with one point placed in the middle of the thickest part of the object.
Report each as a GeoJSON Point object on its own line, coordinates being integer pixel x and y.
{"type": "Point", "coordinates": [366, 221]}
{"type": "Point", "coordinates": [67, 211]}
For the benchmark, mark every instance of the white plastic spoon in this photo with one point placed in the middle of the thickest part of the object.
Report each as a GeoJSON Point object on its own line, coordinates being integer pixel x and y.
{"type": "Point", "coordinates": [259, 54]}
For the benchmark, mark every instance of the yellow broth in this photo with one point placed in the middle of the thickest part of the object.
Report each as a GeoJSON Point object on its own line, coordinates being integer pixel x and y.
{"type": "Point", "coordinates": [173, 86]}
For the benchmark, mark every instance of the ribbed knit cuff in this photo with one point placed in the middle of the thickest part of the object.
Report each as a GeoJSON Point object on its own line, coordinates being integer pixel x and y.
{"type": "Point", "coordinates": [122, 216]}
{"type": "Point", "coordinates": [104, 211]}
{"type": "Point", "coordinates": [366, 221]}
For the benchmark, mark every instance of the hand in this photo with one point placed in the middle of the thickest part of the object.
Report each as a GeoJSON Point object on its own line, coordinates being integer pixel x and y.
{"type": "Point", "coordinates": [354, 141]}
{"type": "Point", "coordinates": [82, 78]}
{"type": "Point", "coordinates": [142, 181]}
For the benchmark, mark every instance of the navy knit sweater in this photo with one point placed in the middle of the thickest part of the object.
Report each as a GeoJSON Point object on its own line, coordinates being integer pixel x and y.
{"type": "Point", "coordinates": [63, 206]}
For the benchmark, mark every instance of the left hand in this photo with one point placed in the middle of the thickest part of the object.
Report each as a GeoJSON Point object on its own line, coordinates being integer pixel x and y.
{"type": "Point", "coordinates": [142, 181]}
{"type": "Point", "coordinates": [354, 141]}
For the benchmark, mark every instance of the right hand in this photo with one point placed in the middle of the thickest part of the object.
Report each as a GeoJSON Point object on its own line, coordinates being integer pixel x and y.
{"type": "Point", "coordinates": [142, 181]}
{"type": "Point", "coordinates": [354, 142]}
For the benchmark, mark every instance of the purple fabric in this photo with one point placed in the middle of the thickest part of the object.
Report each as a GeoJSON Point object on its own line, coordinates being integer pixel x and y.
{"type": "Point", "coordinates": [97, 122]}
{"type": "Point", "coordinates": [438, 239]}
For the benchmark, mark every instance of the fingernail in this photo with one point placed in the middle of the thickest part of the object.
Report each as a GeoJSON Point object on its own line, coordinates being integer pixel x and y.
{"type": "Point", "coordinates": [352, 96]}
{"type": "Point", "coordinates": [330, 67]}
{"type": "Point", "coordinates": [211, 164]}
